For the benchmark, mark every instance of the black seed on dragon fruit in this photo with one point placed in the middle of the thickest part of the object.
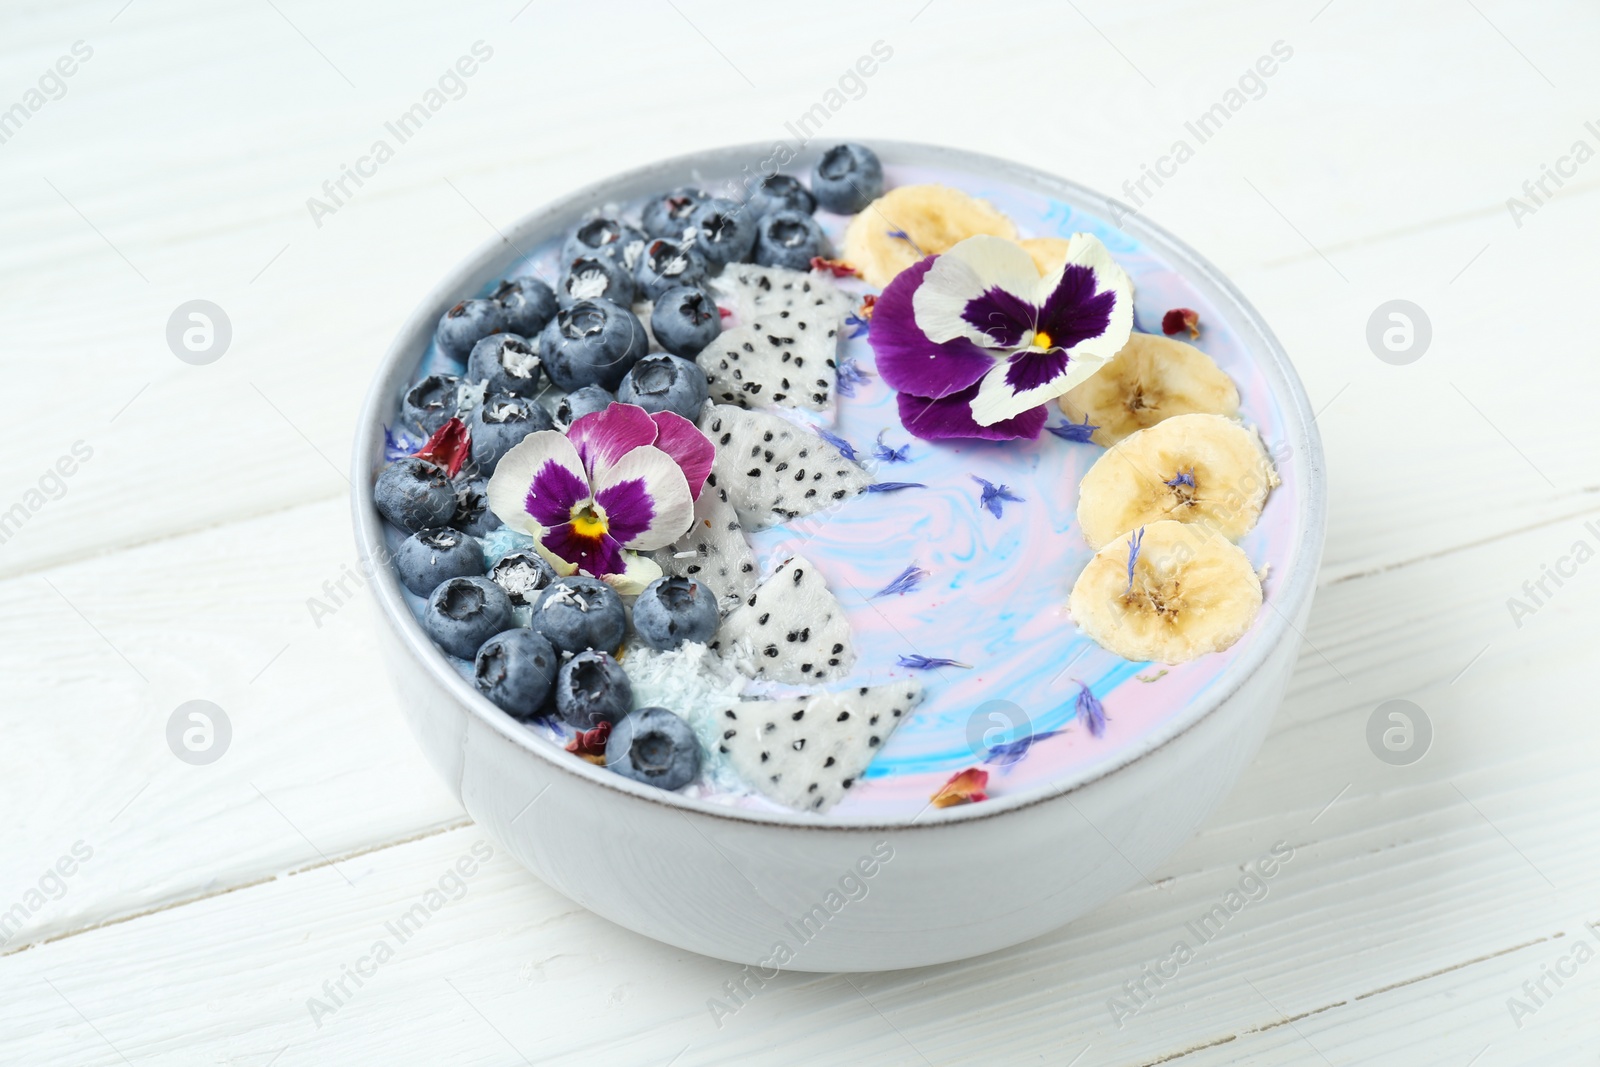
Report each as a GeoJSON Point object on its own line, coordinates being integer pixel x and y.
{"type": "Point", "coordinates": [714, 550]}
{"type": "Point", "coordinates": [791, 629]}
{"type": "Point", "coordinates": [773, 470]}
{"type": "Point", "coordinates": [785, 360]}
{"type": "Point", "coordinates": [807, 752]}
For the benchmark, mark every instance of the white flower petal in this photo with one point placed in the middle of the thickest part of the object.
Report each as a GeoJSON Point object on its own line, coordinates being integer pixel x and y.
{"type": "Point", "coordinates": [638, 572]}
{"type": "Point", "coordinates": [513, 476]}
{"type": "Point", "coordinates": [964, 273]}
{"type": "Point", "coordinates": [667, 488]}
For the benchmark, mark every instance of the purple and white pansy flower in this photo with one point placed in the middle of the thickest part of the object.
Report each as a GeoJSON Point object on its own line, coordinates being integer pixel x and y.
{"type": "Point", "coordinates": [618, 481]}
{"type": "Point", "coordinates": [976, 341]}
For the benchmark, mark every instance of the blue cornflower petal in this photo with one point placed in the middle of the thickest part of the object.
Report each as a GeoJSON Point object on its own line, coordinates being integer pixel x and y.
{"type": "Point", "coordinates": [928, 663]}
{"type": "Point", "coordinates": [891, 455]}
{"type": "Point", "coordinates": [1081, 432]}
{"type": "Point", "coordinates": [850, 375]}
{"type": "Point", "coordinates": [1182, 478]}
{"type": "Point", "coordinates": [858, 325]}
{"type": "Point", "coordinates": [1090, 711]}
{"type": "Point", "coordinates": [907, 580]}
{"type": "Point", "coordinates": [994, 496]}
{"type": "Point", "coordinates": [397, 444]}
{"type": "Point", "coordinates": [1008, 752]}
{"type": "Point", "coordinates": [891, 487]}
{"type": "Point", "coordinates": [1133, 554]}
{"type": "Point", "coordinates": [901, 235]}
{"type": "Point", "coordinates": [845, 447]}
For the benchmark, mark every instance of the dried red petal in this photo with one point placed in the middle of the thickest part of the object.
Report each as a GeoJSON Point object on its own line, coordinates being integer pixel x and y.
{"type": "Point", "coordinates": [723, 313]}
{"type": "Point", "coordinates": [1179, 319]}
{"type": "Point", "coordinates": [448, 447]}
{"type": "Point", "coordinates": [868, 302]}
{"type": "Point", "coordinates": [964, 787]}
{"type": "Point", "coordinates": [591, 744]}
{"type": "Point", "coordinates": [837, 267]}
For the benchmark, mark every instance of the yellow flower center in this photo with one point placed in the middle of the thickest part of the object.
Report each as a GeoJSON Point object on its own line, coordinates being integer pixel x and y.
{"type": "Point", "coordinates": [589, 520]}
{"type": "Point", "coordinates": [1041, 340]}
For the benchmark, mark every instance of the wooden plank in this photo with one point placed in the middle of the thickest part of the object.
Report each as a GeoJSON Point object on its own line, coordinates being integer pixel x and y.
{"type": "Point", "coordinates": [1399, 873]}
{"type": "Point", "coordinates": [99, 655]}
{"type": "Point", "coordinates": [231, 225]}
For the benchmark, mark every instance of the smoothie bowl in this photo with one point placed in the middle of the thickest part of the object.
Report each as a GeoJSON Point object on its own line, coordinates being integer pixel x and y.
{"type": "Point", "coordinates": [865, 567]}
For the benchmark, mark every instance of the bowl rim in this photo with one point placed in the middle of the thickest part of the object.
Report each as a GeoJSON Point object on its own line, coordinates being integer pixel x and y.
{"type": "Point", "coordinates": [488, 261]}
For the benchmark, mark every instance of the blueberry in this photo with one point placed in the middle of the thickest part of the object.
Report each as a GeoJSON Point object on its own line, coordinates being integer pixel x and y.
{"type": "Point", "coordinates": [578, 613]}
{"type": "Point", "coordinates": [593, 342]}
{"type": "Point", "coordinates": [724, 231]}
{"type": "Point", "coordinates": [596, 278]}
{"type": "Point", "coordinates": [592, 688]}
{"type": "Point", "coordinates": [788, 239]}
{"type": "Point", "coordinates": [528, 304]}
{"type": "Point", "coordinates": [667, 264]}
{"type": "Point", "coordinates": [671, 611]}
{"type": "Point", "coordinates": [581, 402]}
{"type": "Point", "coordinates": [606, 236]}
{"type": "Point", "coordinates": [463, 613]}
{"type": "Point", "coordinates": [428, 557]}
{"type": "Point", "coordinates": [656, 747]}
{"type": "Point", "coordinates": [779, 192]}
{"type": "Point", "coordinates": [466, 324]}
{"type": "Point", "coordinates": [847, 178]}
{"type": "Point", "coordinates": [472, 506]}
{"type": "Point", "coordinates": [515, 669]}
{"type": "Point", "coordinates": [684, 320]}
{"type": "Point", "coordinates": [522, 575]}
{"type": "Point", "coordinates": [668, 214]}
{"type": "Point", "coordinates": [430, 403]}
{"type": "Point", "coordinates": [414, 494]}
{"type": "Point", "coordinates": [660, 382]}
{"type": "Point", "coordinates": [508, 362]}
{"type": "Point", "coordinates": [499, 423]}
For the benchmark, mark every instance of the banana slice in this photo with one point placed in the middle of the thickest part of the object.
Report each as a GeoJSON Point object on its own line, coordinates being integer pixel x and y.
{"type": "Point", "coordinates": [1203, 469]}
{"type": "Point", "coordinates": [912, 221]}
{"type": "Point", "coordinates": [1151, 379]}
{"type": "Point", "coordinates": [1048, 252]}
{"type": "Point", "coordinates": [1167, 592]}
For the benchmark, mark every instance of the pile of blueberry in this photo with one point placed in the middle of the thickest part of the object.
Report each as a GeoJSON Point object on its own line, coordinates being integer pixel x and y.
{"type": "Point", "coordinates": [562, 662]}
{"type": "Point", "coordinates": [583, 340]}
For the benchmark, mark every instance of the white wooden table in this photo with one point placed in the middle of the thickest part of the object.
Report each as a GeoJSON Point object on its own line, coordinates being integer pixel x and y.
{"type": "Point", "coordinates": [177, 561]}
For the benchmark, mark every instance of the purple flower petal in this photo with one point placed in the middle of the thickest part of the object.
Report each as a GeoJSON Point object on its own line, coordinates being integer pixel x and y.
{"type": "Point", "coordinates": [670, 508]}
{"type": "Point", "coordinates": [891, 487]}
{"type": "Point", "coordinates": [691, 449]}
{"type": "Point", "coordinates": [554, 491]}
{"type": "Point", "coordinates": [1004, 318]}
{"type": "Point", "coordinates": [907, 360]}
{"type": "Point", "coordinates": [951, 417]}
{"type": "Point", "coordinates": [603, 437]}
{"type": "Point", "coordinates": [599, 556]}
{"type": "Point", "coordinates": [629, 508]}
{"type": "Point", "coordinates": [1031, 368]}
{"type": "Point", "coordinates": [1074, 311]}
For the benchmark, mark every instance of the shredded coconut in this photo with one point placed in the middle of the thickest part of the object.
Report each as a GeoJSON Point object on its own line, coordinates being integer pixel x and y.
{"type": "Point", "coordinates": [699, 685]}
{"type": "Point", "coordinates": [588, 285]}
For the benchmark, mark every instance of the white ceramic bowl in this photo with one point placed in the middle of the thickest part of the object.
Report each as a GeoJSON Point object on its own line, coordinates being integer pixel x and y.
{"type": "Point", "coordinates": [792, 890]}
